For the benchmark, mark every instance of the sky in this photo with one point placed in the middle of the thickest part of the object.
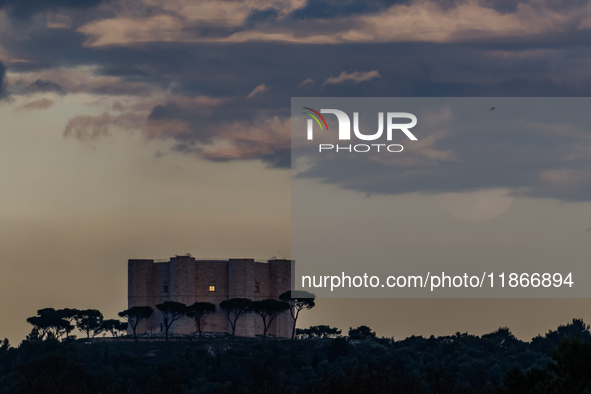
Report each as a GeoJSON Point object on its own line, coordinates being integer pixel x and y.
{"type": "Point", "coordinates": [145, 129]}
{"type": "Point", "coordinates": [500, 172]}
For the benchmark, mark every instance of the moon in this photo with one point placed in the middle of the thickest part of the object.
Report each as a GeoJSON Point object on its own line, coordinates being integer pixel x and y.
{"type": "Point", "coordinates": [477, 206]}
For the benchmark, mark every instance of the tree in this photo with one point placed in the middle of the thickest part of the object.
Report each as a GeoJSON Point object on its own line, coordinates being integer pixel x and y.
{"type": "Point", "coordinates": [34, 335]}
{"type": "Point", "coordinates": [4, 345]}
{"type": "Point", "coordinates": [319, 332]}
{"type": "Point", "coordinates": [48, 324]}
{"type": "Point", "coordinates": [198, 310]}
{"type": "Point", "coordinates": [114, 326]}
{"type": "Point", "coordinates": [89, 321]}
{"type": "Point", "coordinates": [135, 315]}
{"type": "Point", "coordinates": [568, 372]}
{"type": "Point", "coordinates": [361, 332]}
{"type": "Point", "coordinates": [553, 338]}
{"type": "Point", "coordinates": [298, 300]}
{"type": "Point", "coordinates": [236, 307]}
{"type": "Point", "coordinates": [171, 312]}
{"type": "Point", "coordinates": [69, 314]}
{"type": "Point", "coordinates": [269, 310]}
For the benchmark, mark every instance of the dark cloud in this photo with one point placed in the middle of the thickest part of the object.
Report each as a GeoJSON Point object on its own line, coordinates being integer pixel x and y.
{"type": "Point", "coordinates": [281, 158]}
{"type": "Point", "coordinates": [2, 80]}
{"type": "Point", "coordinates": [169, 111]}
{"type": "Point", "coordinates": [406, 70]}
{"type": "Point", "coordinates": [45, 86]}
{"type": "Point", "coordinates": [536, 65]}
{"type": "Point", "coordinates": [535, 147]}
{"type": "Point", "coordinates": [258, 16]}
{"type": "Point", "coordinates": [186, 148]}
{"type": "Point", "coordinates": [340, 8]}
{"type": "Point", "coordinates": [501, 6]}
{"type": "Point", "coordinates": [328, 9]}
{"type": "Point", "coordinates": [24, 9]}
{"type": "Point", "coordinates": [232, 71]}
{"type": "Point", "coordinates": [202, 125]}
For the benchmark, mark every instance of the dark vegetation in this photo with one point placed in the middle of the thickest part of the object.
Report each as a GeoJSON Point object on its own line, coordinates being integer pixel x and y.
{"type": "Point", "coordinates": [318, 360]}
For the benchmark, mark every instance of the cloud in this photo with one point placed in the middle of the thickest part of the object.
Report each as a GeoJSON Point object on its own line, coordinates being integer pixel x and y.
{"type": "Point", "coordinates": [354, 77]}
{"type": "Point", "coordinates": [182, 21]}
{"type": "Point", "coordinates": [43, 103]}
{"type": "Point", "coordinates": [336, 22]}
{"type": "Point", "coordinates": [260, 89]}
{"type": "Point", "coordinates": [330, 9]}
{"type": "Point", "coordinates": [25, 9]}
{"type": "Point", "coordinates": [45, 86]}
{"type": "Point", "coordinates": [2, 80]}
{"type": "Point", "coordinates": [58, 21]}
{"type": "Point", "coordinates": [535, 147]}
{"type": "Point", "coordinates": [268, 140]}
{"type": "Point", "coordinates": [178, 118]}
{"type": "Point", "coordinates": [156, 86]}
{"type": "Point", "coordinates": [88, 128]}
{"type": "Point", "coordinates": [307, 82]}
{"type": "Point", "coordinates": [74, 80]}
{"type": "Point", "coordinates": [139, 59]}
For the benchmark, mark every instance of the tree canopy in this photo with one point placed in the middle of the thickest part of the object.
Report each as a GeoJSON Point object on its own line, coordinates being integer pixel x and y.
{"type": "Point", "coordinates": [235, 308]}
{"type": "Point", "coordinates": [269, 310]}
{"type": "Point", "coordinates": [298, 300]}
{"type": "Point", "coordinates": [115, 327]}
{"type": "Point", "coordinates": [90, 322]}
{"type": "Point", "coordinates": [361, 332]}
{"type": "Point", "coordinates": [322, 331]}
{"type": "Point", "coordinates": [49, 323]}
{"type": "Point", "coordinates": [171, 311]}
{"type": "Point", "coordinates": [199, 310]}
{"type": "Point", "coordinates": [135, 315]}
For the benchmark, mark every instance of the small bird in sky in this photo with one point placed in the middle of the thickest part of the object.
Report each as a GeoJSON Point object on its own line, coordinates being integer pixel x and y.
{"type": "Point", "coordinates": [492, 108]}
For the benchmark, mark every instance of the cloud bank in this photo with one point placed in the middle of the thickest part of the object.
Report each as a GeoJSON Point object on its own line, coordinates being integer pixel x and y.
{"type": "Point", "coordinates": [184, 72]}
{"type": "Point", "coordinates": [354, 77]}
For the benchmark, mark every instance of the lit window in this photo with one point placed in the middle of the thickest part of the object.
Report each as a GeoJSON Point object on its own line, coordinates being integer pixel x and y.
{"type": "Point", "coordinates": [211, 288]}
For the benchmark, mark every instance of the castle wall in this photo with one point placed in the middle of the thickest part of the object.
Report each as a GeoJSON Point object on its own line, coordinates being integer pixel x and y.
{"type": "Point", "coordinates": [241, 285]}
{"type": "Point", "coordinates": [280, 281]}
{"type": "Point", "coordinates": [182, 289]}
{"type": "Point", "coordinates": [140, 280]}
{"type": "Point", "coordinates": [212, 273]}
{"type": "Point", "coordinates": [186, 280]}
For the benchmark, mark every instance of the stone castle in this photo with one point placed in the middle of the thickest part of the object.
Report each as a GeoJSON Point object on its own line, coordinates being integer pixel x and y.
{"type": "Point", "coordinates": [188, 280]}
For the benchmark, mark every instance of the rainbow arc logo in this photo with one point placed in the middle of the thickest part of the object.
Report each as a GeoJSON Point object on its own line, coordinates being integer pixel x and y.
{"type": "Point", "coordinates": [316, 118]}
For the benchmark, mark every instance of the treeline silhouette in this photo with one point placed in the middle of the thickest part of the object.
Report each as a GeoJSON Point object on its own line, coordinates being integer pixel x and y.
{"type": "Point", "coordinates": [319, 360]}
{"type": "Point", "coordinates": [50, 323]}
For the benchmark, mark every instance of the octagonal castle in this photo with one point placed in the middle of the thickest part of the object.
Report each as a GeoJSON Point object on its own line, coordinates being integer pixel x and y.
{"type": "Point", "coordinates": [189, 280]}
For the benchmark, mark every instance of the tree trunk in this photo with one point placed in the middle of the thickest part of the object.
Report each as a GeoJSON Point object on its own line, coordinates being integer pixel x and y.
{"type": "Point", "coordinates": [294, 328]}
